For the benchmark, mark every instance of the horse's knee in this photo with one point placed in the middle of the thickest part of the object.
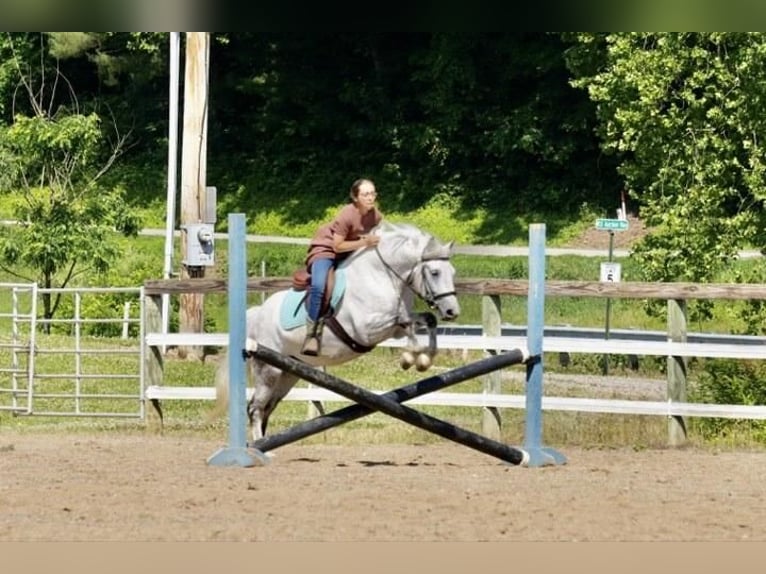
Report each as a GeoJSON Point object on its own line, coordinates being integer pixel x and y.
{"type": "Point", "coordinates": [420, 358]}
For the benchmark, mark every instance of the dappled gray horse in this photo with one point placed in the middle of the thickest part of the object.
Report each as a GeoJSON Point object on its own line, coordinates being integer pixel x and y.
{"type": "Point", "coordinates": [373, 301]}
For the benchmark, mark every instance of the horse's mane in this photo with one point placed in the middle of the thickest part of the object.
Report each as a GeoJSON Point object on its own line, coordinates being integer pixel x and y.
{"type": "Point", "coordinates": [432, 248]}
{"type": "Point", "coordinates": [399, 234]}
{"type": "Point", "coordinates": [407, 229]}
{"type": "Point", "coordinates": [396, 233]}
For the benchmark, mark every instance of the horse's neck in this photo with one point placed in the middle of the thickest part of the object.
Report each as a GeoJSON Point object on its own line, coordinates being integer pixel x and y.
{"type": "Point", "coordinates": [392, 266]}
{"type": "Point", "coordinates": [377, 297]}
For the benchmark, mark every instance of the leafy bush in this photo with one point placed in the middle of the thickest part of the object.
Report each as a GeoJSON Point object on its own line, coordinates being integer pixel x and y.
{"type": "Point", "coordinates": [725, 381]}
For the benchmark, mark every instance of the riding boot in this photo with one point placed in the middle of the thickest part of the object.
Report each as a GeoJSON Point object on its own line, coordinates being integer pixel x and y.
{"type": "Point", "coordinates": [312, 344]}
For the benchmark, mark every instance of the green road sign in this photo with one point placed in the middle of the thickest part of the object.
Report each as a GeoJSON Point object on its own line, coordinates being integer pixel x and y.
{"type": "Point", "coordinates": [612, 224]}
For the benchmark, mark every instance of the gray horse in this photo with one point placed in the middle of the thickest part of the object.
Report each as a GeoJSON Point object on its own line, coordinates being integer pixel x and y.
{"type": "Point", "coordinates": [376, 290]}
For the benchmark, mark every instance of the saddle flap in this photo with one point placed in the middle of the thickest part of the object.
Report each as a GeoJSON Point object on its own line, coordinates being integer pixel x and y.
{"type": "Point", "coordinates": [293, 314]}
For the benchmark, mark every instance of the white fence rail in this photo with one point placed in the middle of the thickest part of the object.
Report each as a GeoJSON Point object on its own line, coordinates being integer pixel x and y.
{"type": "Point", "coordinates": [755, 348]}
{"type": "Point", "coordinates": [492, 250]}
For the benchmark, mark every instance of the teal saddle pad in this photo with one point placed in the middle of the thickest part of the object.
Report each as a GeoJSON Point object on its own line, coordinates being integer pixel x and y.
{"type": "Point", "coordinates": [293, 312]}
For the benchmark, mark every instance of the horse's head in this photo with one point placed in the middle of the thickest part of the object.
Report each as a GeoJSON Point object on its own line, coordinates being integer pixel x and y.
{"type": "Point", "coordinates": [423, 263]}
{"type": "Point", "coordinates": [434, 279]}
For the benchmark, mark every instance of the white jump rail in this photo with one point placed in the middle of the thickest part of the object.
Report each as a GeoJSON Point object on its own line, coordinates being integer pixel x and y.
{"type": "Point", "coordinates": [479, 399]}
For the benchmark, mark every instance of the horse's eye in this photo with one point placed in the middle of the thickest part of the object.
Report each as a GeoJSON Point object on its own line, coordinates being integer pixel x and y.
{"type": "Point", "coordinates": [434, 272]}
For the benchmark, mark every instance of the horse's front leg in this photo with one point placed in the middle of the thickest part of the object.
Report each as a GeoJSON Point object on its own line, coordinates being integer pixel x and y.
{"type": "Point", "coordinates": [413, 353]}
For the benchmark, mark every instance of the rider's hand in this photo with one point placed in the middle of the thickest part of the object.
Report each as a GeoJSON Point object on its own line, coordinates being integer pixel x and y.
{"type": "Point", "coordinates": [370, 240]}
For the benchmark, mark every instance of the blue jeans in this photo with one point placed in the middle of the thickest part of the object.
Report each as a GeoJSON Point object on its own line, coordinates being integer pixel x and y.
{"type": "Point", "coordinates": [319, 270]}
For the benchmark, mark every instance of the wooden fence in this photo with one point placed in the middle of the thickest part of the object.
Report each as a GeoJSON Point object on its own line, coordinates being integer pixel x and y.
{"type": "Point", "coordinates": [676, 348]}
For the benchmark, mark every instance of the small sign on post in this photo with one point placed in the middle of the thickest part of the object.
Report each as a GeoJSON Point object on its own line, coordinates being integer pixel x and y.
{"type": "Point", "coordinates": [610, 272]}
{"type": "Point", "coordinates": [612, 224]}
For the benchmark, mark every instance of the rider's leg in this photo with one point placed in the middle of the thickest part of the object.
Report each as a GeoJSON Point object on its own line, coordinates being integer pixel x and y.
{"type": "Point", "coordinates": [319, 270]}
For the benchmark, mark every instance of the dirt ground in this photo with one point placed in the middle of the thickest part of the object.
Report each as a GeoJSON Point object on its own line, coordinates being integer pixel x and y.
{"type": "Point", "coordinates": [110, 487]}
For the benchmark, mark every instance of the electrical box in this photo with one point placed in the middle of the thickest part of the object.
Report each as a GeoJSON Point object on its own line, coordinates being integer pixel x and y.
{"type": "Point", "coordinates": [200, 248]}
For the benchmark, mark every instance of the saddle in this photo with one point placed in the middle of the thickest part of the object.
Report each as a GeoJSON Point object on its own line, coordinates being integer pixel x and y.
{"type": "Point", "coordinates": [294, 309]}
{"type": "Point", "coordinates": [301, 280]}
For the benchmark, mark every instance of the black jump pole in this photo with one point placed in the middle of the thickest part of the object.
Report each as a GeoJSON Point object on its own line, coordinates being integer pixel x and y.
{"type": "Point", "coordinates": [388, 406]}
{"type": "Point", "coordinates": [423, 387]}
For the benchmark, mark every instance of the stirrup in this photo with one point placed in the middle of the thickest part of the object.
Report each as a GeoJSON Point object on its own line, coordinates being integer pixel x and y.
{"type": "Point", "coordinates": [310, 346]}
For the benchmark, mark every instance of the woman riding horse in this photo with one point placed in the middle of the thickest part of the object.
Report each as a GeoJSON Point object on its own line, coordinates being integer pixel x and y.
{"type": "Point", "coordinates": [408, 264]}
{"type": "Point", "coordinates": [331, 244]}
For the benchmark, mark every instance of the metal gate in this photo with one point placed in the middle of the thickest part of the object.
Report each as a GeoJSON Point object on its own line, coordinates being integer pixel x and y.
{"type": "Point", "coordinates": [84, 361]}
{"type": "Point", "coordinates": [18, 313]}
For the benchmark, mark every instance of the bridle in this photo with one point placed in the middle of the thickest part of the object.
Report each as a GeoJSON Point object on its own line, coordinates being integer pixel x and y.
{"type": "Point", "coordinates": [428, 296]}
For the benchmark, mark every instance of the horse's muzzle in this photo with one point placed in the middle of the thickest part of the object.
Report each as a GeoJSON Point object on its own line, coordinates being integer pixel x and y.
{"type": "Point", "coordinates": [449, 314]}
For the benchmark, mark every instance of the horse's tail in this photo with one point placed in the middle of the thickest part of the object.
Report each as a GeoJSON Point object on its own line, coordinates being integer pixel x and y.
{"type": "Point", "coordinates": [221, 386]}
{"type": "Point", "coordinates": [222, 377]}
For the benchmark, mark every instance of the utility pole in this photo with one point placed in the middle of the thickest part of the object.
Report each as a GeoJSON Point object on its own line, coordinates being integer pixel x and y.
{"type": "Point", "coordinates": [193, 174]}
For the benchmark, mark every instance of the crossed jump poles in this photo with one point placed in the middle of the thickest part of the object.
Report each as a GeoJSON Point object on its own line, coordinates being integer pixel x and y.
{"type": "Point", "coordinates": [240, 453]}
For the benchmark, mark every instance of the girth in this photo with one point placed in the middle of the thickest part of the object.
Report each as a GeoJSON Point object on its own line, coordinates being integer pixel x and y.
{"type": "Point", "coordinates": [340, 332]}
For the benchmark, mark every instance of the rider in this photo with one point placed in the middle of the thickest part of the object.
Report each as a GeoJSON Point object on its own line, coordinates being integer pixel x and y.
{"type": "Point", "coordinates": [331, 244]}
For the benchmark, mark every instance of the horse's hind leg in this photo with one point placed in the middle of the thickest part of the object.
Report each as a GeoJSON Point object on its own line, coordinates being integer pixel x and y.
{"type": "Point", "coordinates": [271, 386]}
{"type": "Point", "coordinates": [258, 415]}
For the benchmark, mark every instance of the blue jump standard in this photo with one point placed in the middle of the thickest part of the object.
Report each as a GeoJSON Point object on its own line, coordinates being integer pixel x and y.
{"type": "Point", "coordinates": [237, 454]}
{"type": "Point", "coordinates": [538, 455]}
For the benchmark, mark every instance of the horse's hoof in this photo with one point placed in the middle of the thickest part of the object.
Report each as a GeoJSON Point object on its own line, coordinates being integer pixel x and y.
{"type": "Point", "coordinates": [406, 360]}
{"type": "Point", "coordinates": [423, 362]}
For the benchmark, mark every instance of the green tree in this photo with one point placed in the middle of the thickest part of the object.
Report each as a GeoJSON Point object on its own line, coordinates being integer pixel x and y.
{"type": "Point", "coordinates": [53, 159]}
{"type": "Point", "coordinates": [684, 112]}
{"type": "Point", "coordinates": [686, 115]}
{"type": "Point", "coordinates": [487, 123]}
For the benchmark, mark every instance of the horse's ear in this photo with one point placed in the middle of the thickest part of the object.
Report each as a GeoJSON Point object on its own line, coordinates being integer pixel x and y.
{"type": "Point", "coordinates": [437, 250]}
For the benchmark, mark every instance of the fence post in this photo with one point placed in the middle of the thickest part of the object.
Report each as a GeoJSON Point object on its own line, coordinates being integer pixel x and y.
{"type": "Point", "coordinates": [491, 327]}
{"type": "Point", "coordinates": [154, 368]}
{"type": "Point", "coordinates": [677, 370]}
{"type": "Point", "coordinates": [126, 320]}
